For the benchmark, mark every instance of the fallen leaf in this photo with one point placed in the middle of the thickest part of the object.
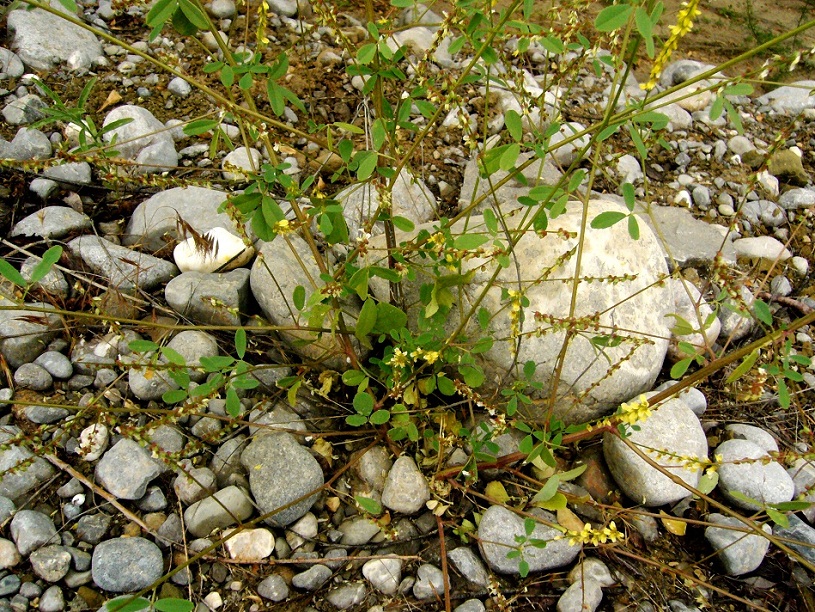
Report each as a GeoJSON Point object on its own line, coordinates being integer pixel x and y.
{"type": "Point", "coordinates": [674, 526]}
{"type": "Point", "coordinates": [496, 491]}
{"type": "Point", "coordinates": [568, 519]}
{"type": "Point", "coordinates": [113, 98]}
{"type": "Point", "coordinates": [332, 503]}
{"type": "Point", "coordinates": [323, 447]}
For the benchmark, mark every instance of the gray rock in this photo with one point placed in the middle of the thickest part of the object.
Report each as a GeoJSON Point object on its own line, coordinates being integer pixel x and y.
{"type": "Point", "coordinates": [223, 509]}
{"type": "Point", "coordinates": [581, 597]}
{"type": "Point", "coordinates": [170, 532]}
{"type": "Point", "coordinates": [153, 224]}
{"type": "Point", "coordinates": [470, 566]}
{"type": "Point", "coordinates": [122, 268]}
{"type": "Point", "coordinates": [226, 463]}
{"type": "Point", "coordinates": [802, 537]}
{"type": "Point", "coordinates": [311, 579]}
{"type": "Point", "coordinates": [72, 173]}
{"type": "Point", "coordinates": [194, 484]}
{"type": "Point", "coordinates": [25, 110]}
{"type": "Point", "coordinates": [23, 339]}
{"type": "Point", "coordinates": [566, 154]}
{"type": "Point", "coordinates": [410, 199]}
{"type": "Point", "coordinates": [276, 273]}
{"type": "Point", "coordinates": [27, 144]}
{"type": "Point", "coordinates": [384, 574]}
{"type": "Point", "coordinates": [51, 563]}
{"type": "Point", "coordinates": [123, 565]}
{"type": "Point", "coordinates": [126, 469]}
{"type": "Point", "coordinates": [740, 145]}
{"type": "Point", "coordinates": [691, 306]}
{"type": "Point", "coordinates": [701, 196]}
{"type": "Point", "coordinates": [274, 588]}
{"type": "Point", "coordinates": [16, 481]}
{"type": "Point", "coordinates": [9, 556]}
{"type": "Point", "coordinates": [10, 65]}
{"type": "Point", "coordinates": [31, 376]}
{"type": "Point", "coordinates": [210, 298]}
{"type": "Point", "coordinates": [52, 600]}
{"type": "Point", "coordinates": [790, 99]}
{"type": "Point", "coordinates": [780, 286]}
{"type": "Point", "coordinates": [31, 530]}
{"type": "Point", "coordinates": [243, 161]}
{"type": "Point", "coordinates": [53, 282]}
{"type": "Point", "coordinates": [143, 140]}
{"type": "Point", "coordinates": [347, 595]}
{"type": "Point", "coordinates": [373, 467]}
{"type": "Point", "coordinates": [30, 590]}
{"type": "Point", "coordinates": [756, 435]}
{"type": "Point", "coordinates": [764, 481]}
{"type": "Point", "coordinates": [672, 427]}
{"type": "Point", "coordinates": [739, 552]}
{"type": "Point", "coordinates": [193, 344]}
{"type": "Point", "coordinates": [281, 418]}
{"type": "Point", "coordinates": [736, 321]}
{"type": "Point", "coordinates": [222, 9]}
{"type": "Point", "coordinates": [693, 397]}
{"type": "Point", "coordinates": [358, 530]}
{"type": "Point", "coordinates": [91, 528]}
{"type": "Point", "coordinates": [592, 569]}
{"type": "Point", "coordinates": [406, 489]}
{"type": "Point", "coordinates": [629, 169]}
{"type": "Point", "coordinates": [287, 8]}
{"type": "Point", "coordinates": [496, 537]}
{"type": "Point", "coordinates": [429, 582]}
{"type": "Point", "coordinates": [764, 248]}
{"type": "Point", "coordinates": [9, 585]}
{"type": "Point", "coordinates": [280, 472]}
{"type": "Point", "coordinates": [153, 501]}
{"type": "Point", "coordinates": [56, 364]}
{"type": "Point", "coordinates": [179, 87]}
{"type": "Point", "coordinates": [45, 414]}
{"type": "Point", "coordinates": [797, 198]}
{"type": "Point", "coordinates": [43, 40]}
{"type": "Point", "coordinates": [471, 605]}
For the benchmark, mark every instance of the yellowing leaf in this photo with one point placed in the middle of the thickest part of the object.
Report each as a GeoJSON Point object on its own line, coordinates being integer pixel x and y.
{"type": "Point", "coordinates": [332, 503]}
{"type": "Point", "coordinates": [556, 502]}
{"type": "Point", "coordinates": [568, 519]}
{"type": "Point", "coordinates": [496, 491]}
{"type": "Point", "coordinates": [323, 448]}
{"type": "Point", "coordinates": [674, 526]}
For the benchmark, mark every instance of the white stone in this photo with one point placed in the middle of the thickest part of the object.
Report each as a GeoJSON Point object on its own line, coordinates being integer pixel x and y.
{"type": "Point", "coordinates": [764, 248]}
{"type": "Point", "coordinates": [242, 158]}
{"type": "Point", "coordinates": [692, 307]}
{"type": "Point", "coordinates": [93, 441]}
{"type": "Point", "coordinates": [250, 545]}
{"type": "Point", "coordinates": [226, 253]}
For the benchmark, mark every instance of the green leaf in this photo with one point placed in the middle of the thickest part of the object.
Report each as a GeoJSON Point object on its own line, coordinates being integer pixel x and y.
{"type": "Point", "coordinates": [245, 81]}
{"type": "Point", "coordinates": [473, 377]}
{"type": "Point", "coordinates": [445, 385]}
{"type": "Point", "coordinates": [366, 54]}
{"type": "Point", "coordinates": [299, 297]}
{"type": "Point", "coordinates": [791, 506]}
{"type": "Point", "coordinates": [628, 196]}
{"type": "Point", "coordinates": [638, 141]}
{"type": "Point", "coordinates": [514, 125]}
{"type": "Point", "coordinates": [202, 126]}
{"type": "Point", "coordinates": [633, 227]}
{"type": "Point", "coordinates": [70, 5]}
{"type": "Point", "coordinates": [607, 219]}
{"type": "Point", "coordinates": [233, 403]}
{"type": "Point", "coordinates": [380, 417]}
{"type": "Point", "coordinates": [173, 356]}
{"type": "Point", "coordinates": [738, 89]}
{"type": "Point", "coordinates": [783, 394]}
{"type": "Point", "coordinates": [388, 318]}
{"type": "Point", "coordinates": [523, 568]}
{"type": "Point", "coordinates": [552, 45]}
{"type": "Point", "coordinates": [11, 273]}
{"type": "Point", "coordinates": [371, 506]}
{"type": "Point", "coordinates": [240, 342]}
{"type": "Point", "coordinates": [194, 14]}
{"type": "Point", "coordinates": [367, 164]}
{"type": "Point", "coordinates": [509, 157]}
{"type": "Point", "coordinates": [142, 346]}
{"type": "Point", "coordinates": [363, 403]}
{"type": "Point", "coordinates": [708, 482]}
{"type": "Point", "coordinates": [353, 378]}
{"type": "Point", "coordinates": [646, 29]}
{"type": "Point", "coordinates": [403, 3]}
{"type": "Point", "coordinates": [608, 132]}
{"type": "Point", "coordinates": [744, 367]}
{"type": "Point", "coordinates": [467, 242]}
{"type": "Point", "coordinates": [716, 108]}
{"type": "Point", "coordinates": [127, 603]}
{"type": "Point", "coordinates": [558, 502]}
{"type": "Point", "coordinates": [529, 526]}
{"type": "Point", "coordinates": [161, 12]}
{"type": "Point", "coordinates": [172, 604]}
{"type": "Point", "coordinates": [227, 76]}
{"type": "Point", "coordinates": [779, 518]}
{"type": "Point", "coordinates": [680, 367]}
{"type": "Point", "coordinates": [612, 17]}
{"type": "Point", "coordinates": [762, 312]}
{"type": "Point", "coordinates": [358, 283]}
{"type": "Point", "coordinates": [216, 363]}
{"type": "Point", "coordinates": [174, 396]}
{"type": "Point", "coordinates": [734, 116]}
{"type": "Point", "coordinates": [548, 490]}
{"type": "Point", "coordinates": [366, 321]}
{"type": "Point", "coordinates": [403, 224]}
{"type": "Point", "coordinates": [356, 420]}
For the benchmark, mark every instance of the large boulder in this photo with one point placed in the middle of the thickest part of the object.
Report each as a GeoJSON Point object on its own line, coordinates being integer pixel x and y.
{"type": "Point", "coordinates": [619, 319]}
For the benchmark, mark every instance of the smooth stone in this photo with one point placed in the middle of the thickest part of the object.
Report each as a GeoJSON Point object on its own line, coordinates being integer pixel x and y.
{"type": "Point", "coordinates": [51, 563]}
{"type": "Point", "coordinates": [192, 345]}
{"type": "Point", "coordinates": [765, 482]}
{"type": "Point", "coordinates": [17, 481]}
{"type": "Point", "coordinates": [429, 582]}
{"type": "Point", "coordinates": [123, 268]}
{"type": "Point", "coordinates": [385, 574]}
{"type": "Point", "coordinates": [471, 605]}
{"type": "Point", "coordinates": [179, 87]}
{"type": "Point", "coordinates": [31, 530]}
{"type": "Point", "coordinates": [9, 555]}
{"type": "Point", "coordinates": [756, 435]}
{"type": "Point", "coordinates": [406, 489]}
{"type": "Point", "coordinates": [226, 252]}
{"type": "Point", "coordinates": [592, 569]}
{"type": "Point", "coordinates": [280, 472]}
{"type": "Point", "coordinates": [797, 198]}
{"type": "Point", "coordinates": [347, 595]}
{"type": "Point", "coordinates": [23, 340]}
{"type": "Point", "coordinates": [790, 99]}
{"type": "Point", "coordinates": [243, 161]}
{"type": "Point", "coordinates": [358, 530]}
{"type": "Point", "coordinates": [126, 469]}
{"type": "Point", "coordinates": [210, 299]}
{"type": "Point", "coordinates": [52, 600]}
{"type": "Point", "coordinates": [91, 528]}
{"type": "Point", "coordinates": [311, 579]}
{"type": "Point", "coordinates": [11, 67]}
{"type": "Point", "coordinates": [45, 414]}
{"type": "Point", "coordinates": [802, 537]}
{"type": "Point", "coordinates": [24, 110]}
{"type": "Point", "coordinates": [223, 509]}
{"type": "Point", "coordinates": [27, 144]}
{"type": "Point", "coordinates": [693, 308]}
{"type": "Point", "coordinates": [250, 545]}
{"type": "Point", "coordinates": [56, 364]}
{"type": "Point", "coordinates": [581, 597]}
{"type": "Point", "coordinates": [788, 166]}
{"type": "Point", "coordinates": [143, 140]}
{"type": "Point", "coordinates": [194, 484]}
{"type": "Point", "coordinates": [32, 376]}
{"type": "Point", "coordinates": [273, 588]}
{"type": "Point", "coordinates": [123, 565]}
{"type": "Point", "coordinates": [52, 222]}
{"type": "Point", "coordinates": [470, 566]}
{"type": "Point", "coordinates": [496, 537]}
{"type": "Point", "coordinates": [226, 463]}
{"type": "Point", "coordinates": [739, 552]}
{"type": "Point", "coordinates": [673, 427]}
{"type": "Point", "coordinates": [373, 467]}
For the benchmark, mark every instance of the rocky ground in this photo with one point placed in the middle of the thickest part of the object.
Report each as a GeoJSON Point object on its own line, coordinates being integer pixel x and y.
{"type": "Point", "coordinates": [105, 488]}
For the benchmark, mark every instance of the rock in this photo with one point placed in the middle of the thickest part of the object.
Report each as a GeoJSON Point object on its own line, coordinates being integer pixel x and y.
{"type": "Point", "coordinates": [429, 582]}
{"type": "Point", "coordinates": [788, 167]}
{"type": "Point", "coordinates": [52, 222]}
{"type": "Point", "coordinates": [471, 605]}
{"type": "Point", "coordinates": [10, 65]}
{"type": "Point", "coordinates": [693, 397]}
{"type": "Point", "coordinates": [280, 472]}
{"type": "Point", "coordinates": [122, 268]}
{"type": "Point", "coordinates": [23, 339]}
{"type": "Point", "coordinates": [126, 469]}
{"type": "Point", "coordinates": [629, 169]}
{"type": "Point", "coordinates": [179, 86]}
{"type": "Point", "coordinates": [210, 299]}
{"type": "Point", "coordinates": [56, 364]}
{"type": "Point", "coordinates": [756, 435]}
{"type": "Point", "coordinates": [17, 481]}
{"type": "Point", "coordinates": [566, 154]}
{"type": "Point", "coordinates": [45, 414]}
{"type": "Point", "coordinates": [581, 597]}
{"type": "Point", "coordinates": [410, 199]}
{"type": "Point", "coordinates": [790, 99]}
{"type": "Point", "coordinates": [31, 376]}
{"type": "Point", "coordinates": [358, 530]}
{"type": "Point", "coordinates": [420, 40]}
{"type": "Point", "coordinates": [801, 537]}
{"type": "Point", "coordinates": [275, 275]}
{"type": "Point", "coordinates": [51, 563]}
{"type": "Point", "coordinates": [764, 481]}
{"type": "Point", "coordinates": [469, 565]}
{"type": "Point", "coordinates": [796, 198]}
{"type": "Point", "coordinates": [347, 595]}
{"type": "Point", "coordinates": [383, 574]}
{"type": "Point", "coordinates": [688, 241]}
{"type": "Point", "coordinates": [692, 307]}
{"type": "Point", "coordinates": [223, 509]}
{"type": "Point", "coordinates": [31, 530]}
{"type": "Point", "coordinates": [739, 552]}
{"type": "Point", "coordinates": [226, 463]}
{"type": "Point", "coordinates": [587, 387]}
{"type": "Point", "coordinates": [9, 556]}
{"type": "Point", "coordinates": [287, 8]}
{"type": "Point", "coordinates": [672, 427]}
{"type": "Point", "coordinates": [192, 345]}
{"type": "Point", "coordinates": [765, 248]}
{"type": "Point", "coordinates": [123, 565]}
{"type": "Point", "coordinates": [250, 545]}
{"type": "Point", "coordinates": [91, 528]}
{"type": "Point", "coordinates": [312, 579]}
{"type": "Point", "coordinates": [594, 570]}
{"type": "Point", "coordinates": [52, 600]}
{"type": "Point", "coordinates": [194, 484]}
{"type": "Point", "coordinates": [143, 140]}
{"type": "Point", "coordinates": [243, 161]}
{"type": "Point", "coordinates": [220, 251]}
{"type": "Point", "coordinates": [24, 110]}
{"type": "Point", "coordinates": [373, 467]}
{"type": "Point", "coordinates": [9, 584]}
{"type": "Point", "coordinates": [274, 588]}
{"type": "Point", "coordinates": [496, 537]}
{"type": "Point", "coordinates": [406, 489]}
{"type": "Point", "coordinates": [153, 224]}
{"type": "Point", "coordinates": [27, 144]}
{"type": "Point", "coordinates": [736, 320]}
{"type": "Point", "coordinates": [222, 9]}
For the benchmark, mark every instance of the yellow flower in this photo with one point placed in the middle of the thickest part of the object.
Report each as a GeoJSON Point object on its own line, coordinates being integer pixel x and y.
{"type": "Point", "coordinates": [399, 359]}
{"type": "Point", "coordinates": [635, 412]}
{"type": "Point", "coordinates": [684, 24]}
